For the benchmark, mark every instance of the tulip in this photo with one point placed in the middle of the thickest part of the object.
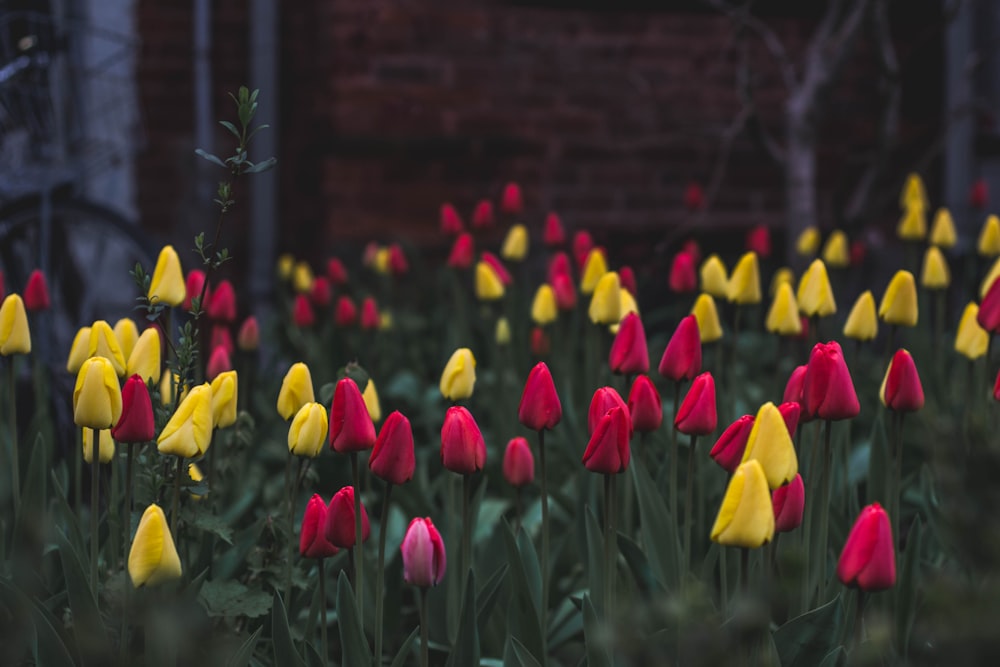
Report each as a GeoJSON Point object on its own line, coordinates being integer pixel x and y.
{"type": "Point", "coordinates": [868, 560]}
{"type": "Point", "coordinates": [321, 293]}
{"type": "Point", "coordinates": [899, 303]}
{"type": "Point", "coordinates": [627, 305]}
{"type": "Point", "coordinates": [248, 337]}
{"type": "Point", "coordinates": [913, 194]}
{"type": "Point", "coordinates": [788, 502]}
{"type": "Point", "coordinates": [372, 403]}
{"type": "Point", "coordinates": [296, 390]}
{"type": "Point", "coordinates": [943, 230]}
{"type": "Point", "coordinates": [714, 280]}
{"type": "Point", "coordinates": [988, 315]}
{"type": "Point", "coordinates": [153, 557]}
{"type": "Point", "coordinates": [312, 538]}
{"type": "Point", "coordinates": [559, 265]}
{"type": "Point", "coordinates": [629, 354]}
{"type": "Point", "coordinates": [827, 389]}
{"type": "Point", "coordinates": [565, 293]}
{"type": "Point", "coordinates": [682, 357]}
{"type": "Point", "coordinates": [543, 306]}
{"type": "Point", "coordinates": [988, 244]}
{"type": "Point", "coordinates": [423, 554]}
{"type": "Point", "coordinates": [790, 413]}
{"type": "Point", "coordinates": [188, 433]}
{"type": "Point", "coordinates": [782, 276]}
{"type": "Point", "coordinates": [783, 316]}
{"type": "Point", "coordinates": [193, 286]}
{"type": "Point", "coordinates": [913, 225]}
{"type": "Point", "coordinates": [79, 350]}
{"type": "Point", "coordinates": [582, 245]}
{"type": "Point", "coordinates": [901, 390]}
{"type": "Point", "coordinates": [858, 252]}
{"type": "Point", "coordinates": [482, 215]}
{"type": "Point", "coordinates": [518, 463]}
{"type": "Point", "coordinates": [370, 319]}
{"type": "Point", "coordinates": [136, 423]}
{"type": "Point", "coordinates": [459, 376]}
{"type": "Point", "coordinates": [645, 408]}
{"type": "Point", "coordinates": [398, 264]}
{"type": "Point", "coordinates": [744, 282]}
{"type": "Point", "coordinates": [862, 322]}
{"type": "Point", "coordinates": [377, 258]}
{"type": "Point", "coordinates": [691, 247]}
{"type": "Point", "coordinates": [167, 389]}
{"type": "Point", "coordinates": [97, 398]}
{"type": "Point", "coordinates": [106, 446]}
{"type": "Point", "coordinates": [694, 197]}
{"type": "Point", "coordinates": [605, 303]}
{"type": "Point", "coordinates": [815, 296]}
{"type": "Point", "coordinates": [462, 252]}
{"type": "Point", "coordinates": [626, 276]}
{"type": "Point", "coordinates": [351, 427]}
{"type": "Point", "coordinates": [302, 278]}
{"type": "Point", "coordinates": [104, 343]}
{"type": "Point", "coordinates": [488, 284]}
{"type": "Point", "coordinates": [302, 313]}
{"type": "Point", "coordinates": [793, 391]}
{"type": "Point", "coordinates": [126, 333]}
{"type": "Point", "coordinates": [451, 221]}
{"type": "Point", "coordinates": [746, 517]}
{"type": "Point", "coordinates": [770, 443]}
{"type": "Point", "coordinates": [218, 362]}
{"type": "Point", "coordinates": [221, 306]}
{"type": "Point", "coordinates": [540, 343]}
{"type": "Point", "coordinates": [603, 400]}
{"type": "Point", "coordinates": [515, 244]}
{"type": "Point", "coordinates": [707, 318]}
{"type": "Point", "coordinates": [285, 266]}
{"type": "Point", "coordinates": [194, 472]}
{"type": "Point", "coordinates": [682, 276]}
{"type": "Point", "coordinates": [462, 447]}
{"type": "Point", "coordinates": [308, 431]}
{"type": "Point", "coordinates": [167, 284]}
{"type": "Point", "coordinates": [225, 396]}
{"type": "Point", "coordinates": [511, 202]}
{"type": "Point", "coordinates": [728, 449]}
{"type": "Point", "coordinates": [540, 408]}
{"type": "Point", "coordinates": [608, 449]}
{"type": "Point", "coordinates": [758, 240]}
{"type": "Point", "coordinates": [991, 277]}
{"type": "Point", "coordinates": [835, 252]}
{"type": "Point", "coordinates": [971, 340]}
{"type": "Point", "coordinates": [554, 234]}
{"type": "Point", "coordinates": [979, 195]}
{"type": "Point", "coordinates": [392, 459]}
{"type": "Point", "coordinates": [696, 414]}
{"type": "Point", "coordinates": [498, 267]}
{"type": "Point", "coordinates": [808, 242]}
{"type": "Point", "coordinates": [345, 313]}
{"type": "Point", "coordinates": [36, 292]}
{"type": "Point", "coordinates": [593, 270]}
{"type": "Point", "coordinates": [340, 520]}
{"type": "Point", "coordinates": [501, 334]}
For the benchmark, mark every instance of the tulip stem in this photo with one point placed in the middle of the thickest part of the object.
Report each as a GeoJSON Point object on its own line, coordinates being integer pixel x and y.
{"type": "Point", "coordinates": [358, 539]}
{"type": "Point", "coordinates": [610, 545]}
{"type": "Point", "coordinates": [380, 573]}
{"type": "Point", "coordinates": [174, 510]}
{"type": "Point", "coordinates": [15, 468]}
{"type": "Point", "coordinates": [424, 653]}
{"type": "Point", "coordinates": [724, 582]}
{"type": "Point", "coordinates": [322, 605]}
{"type": "Point", "coordinates": [689, 502]}
{"type": "Point", "coordinates": [824, 504]}
{"type": "Point", "coordinates": [466, 525]}
{"type": "Point", "coordinates": [745, 570]}
{"type": "Point", "coordinates": [896, 491]}
{"type": "Point", "coordinates": [674, 454]}
{"type": "Point", "coordinates": [291, 529]}
{"type": "Point", "coordinates": [95, 481]}
{"type": "Point", "coordinates": [545, 530]}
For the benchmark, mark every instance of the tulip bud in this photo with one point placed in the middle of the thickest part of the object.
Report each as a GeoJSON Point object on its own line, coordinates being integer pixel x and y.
{"type": "Point", "coordinates": [827, 389]}
{"type": "Point", "coordinates": [36, 292]}
{"type": "Point", "coordinates": [372, 403]}
{"type": "Point", "coordinates": [345, 313]}
{"type": "Point", "coordinates": [451, 221]}
{"type": "Point", "coordinates": [488, 285]}
{"type": "Point", "coordinates": [714, 280]}
{"type": "Point", "coordinates": [988, 244]}
{"type": "Point", "coordinates": [126, 333]}
{"type": "Point", "coordinates": [629, 353]}
{"type": "Point", "coordinates": [296, 390]}
{"type": "Point", "coordinates": [106, 446]}
{"type": "Point", "coordinates": [540, 407]}
{"type": "Point", "coordinates": [559, 265]}
{"type": "Point", "coordinates": [462, 447]}
{"type": "Point", "coordinates": [192, 289]}
{"type": "Point", "coordinates": [540, 343]}
{"type": "Point", "coordinates": [815, 296]}
{"type": "Point", "coordinates": [302, 278]}
{"type": "Point", "coordinates": [543, 306]}
{"type": "Point", "coordinates": [682, 277]}
{"type": "Point", "coordinates": [482, 215]}
{"type": "Point", "coordinates": [308, 431]}
{"type": "Point", "coordinates": [322, 292]}
{"type": "Point", "coordinates": [682, 357]}
{"type": "Point", "coordinates": [285, 266]}
{"type": "Point", "coordinates": [518, 463]}
{"type": "Point", "coordinates": [79, 350]}
{"type": "Point", "coordinates": [971, 340]}
{"type": "Point", "coordinates": [943, 230]}
{"type": "Point", "coordinates": [868, 560]}
{"type": "Point", "coordinates": [758, 240]}
{"type": "Point", "coordinates": [392, 459]}
{"type": "Point", "coordinates": [790, 413]}
{"type": "Point", "coordinates": [782, 276]}
{"type": "Point", "coordinates": [565, 292]}
{"type": "Point", "coordinates": [594, 269]}
{"type": "Point", "coordinates": [771, 444]}
{"type": "Point", "coordinates": [582, 245]}
{"type": "Point", "coordinates": [627, 306]}
{"type": "Point", "coordinates": [696, 414]}
{"type": "Point", "coordinates": [899, 303]}
{"type": "Point", "coordinates": [913, 194]}
{"type": "Point", "coordinates": [991, 277]}
{"type": "Point", "coordinates": [136, 423]}
{"type": "Point", "coordinates": [793, 391]}
{"type": "Point", "coordinates": [988, 316]}
{"type": "Point", "coordinates": [645, 408]}
{"type": "Point", "coordinates": [302, 312]}
{"type": "Point", "coordinates": [807, 243]}
{"type": "Point", "coordinates": [515, 244]}
{"type": "Point", "coordinates": [862, 322]}
{"type": "Point", "coordinates": [913, 225]}
{"type": "Point", "coordinates": [104, 343]}
{"type": "Point", "coordinates": [691, 247]}
{"type": "Point", "coordinates": [189, 431]}
{"type": "Point", "coordinates": [789, 502]}
{"type": "Point", "coordinates": [608, 449]}
{"type": "Point", "coordinates": [605, 303]}
{"type": "Point", "coordinates": [312, 538]}
{"type": "Point", "coordinates": [221, 305]}
{"type": "Point", "coordinates": [248, 337]}
{"type": "Point", "coordinates": [462, 252]}
{"type": "Point", "coordinates": [97, 398]}
{"type": "Point", "coordinates": [225, 396]}
{"type": "Point", "coordinates": [626, 276]}
{"type": "Point", "coordinates": [746, 517]}
{"type": "Point", "coordinates": [340, 529]}
{"type": "Point", "coordinates": [153, 557]}
{"type": "Point", "coordinates": [222, 338]}
{"type": "Point", "coordinates": [835, 252]}
{"type": "Point", "coordinates": [554, 234]}
{"type": "Point", "coordinates": [511, 202]}
{"type": "Point", "coordinates": [398, 265]}
{"type": "Point", "coordinates": [901, 390]}
{"type": "Point", "coordinates": [167, 284]}
{"type": "Point", "coordinates": [783, 316]}
{"type": "Point", "coordinates": [423, 552]}
{"type": "Point", "coordinates": [707, 318]}
{"type": "Point", "coordinates": [744, 283]}
{"type": "Point", "coordinates": [728, 449]}
{"type": "Point", "coordinates": [459, 376]}
{"type": "Point", "coordinates": [218, 362]}
{"type": "Point", "coordinates": [370, 318]}
{"type": "Point", "coordinates": [501, 333]}
{"type": "Point", "coordinates": [979, 195]}
{"type": "Point", "coordinates": [694, 197]}
{"type": "Point", "coordinates": [604, 399]}
{"type": "Point", "coordinates": [351, 427]}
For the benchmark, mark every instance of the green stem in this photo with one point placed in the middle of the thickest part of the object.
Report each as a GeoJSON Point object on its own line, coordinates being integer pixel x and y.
{"type": "Point", "coordinates": [78, 472]}
{"type": "Point", "coordinates": [424, 654]}
{"type": "Point", "coordinates": [380, 573]}
{"type": "Point", "coordinates": [127, 532]}
{"type": "Point", "coordinates": [322, 597]}
{"type": "Point", "coordinates": [744, 570]}
{"type": "Point", "coordinates": [824, 504]}
{"type": "Point", "coordinates": [95, 481]}
{"type": "Point", "coordinates": [610, 547]}
{"type": "Point", "coordinates": [358, 538]}
{"type": "Point", "coordinates": [545, 530]}
{"type": "Point", "coordinates": [896, 490]}
{"type": "Point", "coordinates": [674, 454]}
{"type": "Point", "coordinates": [689, 502]}
{"type": "Point", "coordinates": [174, 509]}
{"type": "Point", "coordinates": [466, 525]}
{"type": "Point", "coordinates": [15, 467]}
{"type": "Point", "coordinates": [724, 582]}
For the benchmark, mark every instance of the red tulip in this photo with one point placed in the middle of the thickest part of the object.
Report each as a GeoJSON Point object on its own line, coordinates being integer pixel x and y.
{"type": "Point", "coordinates": [36, 292]}
{"type": "Point", "coordinates": [336, 272]}
{"type": "Point", "coordinates": [608, 449]}
{"type": "Point", "coordinates": [901, 389]}
{"type": "Point", "coordinates": [827, 389]}
{"type": "Point", "coordinates": [221, 338]}
{"type": "Point", "coordinates": [462, 447]}
{"type": "Point", "coordinates": [370, 319]}
{"type": "Point", "coordinates": [692, 248]}
{"type": "Point", "coordinates": [683, 277]}
{"type": "Point", "coordinates": [398, 264]}
{"type": "Point", "coordinates": [302, 314]}
{"type": "Point", "coordinates": [857, 252]}
{"type": "Point", "coordinates": [789, 501]}
{"type": "Point", "coordinates": [565, 291]}
{"type": "Point", "coordinates": [996, 388]}
{"type": "Point", "coordinates": [582, 245]}
{"type": "Point", "coordinates": [759, 241]}
{"type": "Point", "coordinates": [192, 288]}
{"type": "Point", "coordinates": [694, 197]}
{"type": "Point", "coordinates": [345, 314]}
{"type": "Point", "coordinates": [351, 428]}
{"type": "Point", "coordinates": [626, 276]}
{"type": "Point", "coordinates": [136, 423]}
{"type": "Point", "coordinates": [340, 528]}
{"type": "Point", "coordinates": [554, 234]}
{"type": "Point", "coordinates": [482, 215]}
{"type": "Point", "coordinates": [423, 552]}
{"type": "Point", "coordinates": [312, 539]}
{"type": "Point", "coordinates": [392, 459]}
{"type": "Point", "coordinates": [462, 252]}
{"type": "Point", "coordinates": [451, 222]}
{"type": "Point", "coordinates": [604, 399]}
{"type": "Point", "coordinates": [511, 202]}
{"type": "Point", "coordinates": [540, 407]}
{"type": "Point", "coordinates": [539, 342]}
{"type": "Point", "coordinates": [728, 449]}
{"type": "Point", "coordinates": [248, 337]}
{"type": "Point", "coordinates": [979, 195]}
{"type": "Point", "coordinates": [3, 287]}
{"type": "Point", "coordinates": [989, 310]}
{"type": "Point", "coordinates": [682, 357]}
{"type": "Point", "coordinates": [629, 353]}
{"type": "Point", "coordinates": [559, 265]}
{"type": "Point", "coordinates": [518, 463]}
{"type": "Point", "coordinates": [502, 273]}
{"type": "Point", "coordinates": [321, 292]}
{"type": "Point", "coordinates": [218, 363]}
{"type": "Point", "coordinates": [790, 412]}
{"type": "Point", "coordinates": [868, 560]}
{"type": "Point", "coordinates": [793, 392]}
{"type": "Point", "coordinates": [644, 405]}
{"type": "Point", "coordinates": [221, 305]}
{"type": "Point", "coordinates": [696, 415]}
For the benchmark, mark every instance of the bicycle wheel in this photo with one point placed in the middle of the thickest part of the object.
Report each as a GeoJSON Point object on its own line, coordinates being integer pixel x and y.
{"type": "Point", "coordinates": [86, 259]}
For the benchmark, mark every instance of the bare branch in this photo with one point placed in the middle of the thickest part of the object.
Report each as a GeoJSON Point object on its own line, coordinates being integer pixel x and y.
{"type": "Point", "coordinates": [753, 122]}
{"type": "Point", "coordinates": [773, 43]}
{"type": "Point", "coordinates": [828, 51]}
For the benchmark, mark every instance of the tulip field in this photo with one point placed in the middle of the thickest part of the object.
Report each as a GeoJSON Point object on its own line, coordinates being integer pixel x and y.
{"type": "Point", "coordinates": [512, 449]}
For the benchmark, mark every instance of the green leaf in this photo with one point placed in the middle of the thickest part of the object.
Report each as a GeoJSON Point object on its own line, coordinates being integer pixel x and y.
{"type": "Point", "coordinates": [595, 560]}
{"type": "Point", "coordinates": [313, 658]}
{"type": "Point", "coordinates": [203, 519]}
{"type": "Point", "coordinates": [806, 639]}
{"type": "Point", "coordinates": [658, 529]}
{"type": "Point", "coordinates": [523, 654]}
{"type": "Point", "coordinates": [262, 166]}
{"type": "Point", "coordinates": [208, 156]}
{"type": "Point", "coordinates": [88, 626]}
{"type": "Point", "coordinates": [229, 599]}
{"type": "Point", "coordinates": [281, 636]}
{"type": "Point", "coordinates": [519, 577]}
{"type": "Point", "coordinates": [593, 631]}
{"type": "Point", "coordinates": [639, 565]}
{"type": "Point", "coordinates": [241, 657]}
{"type": "Point", "coordinates": [229, 126]}
{"type": "Point", "coordinates": [487, 596]}
{"type": "Point", "coordinates": [907, 587]}
{"type": "Point", "coordinates": [354, 645]}
{"type": "Point", "coordinates": [32, 512]}
{"type": "Point", "coordinates": [835, 658]}
{"type": "Point", "coordinates": [466, 650]}
{"type": "Point", "coordinates": [522, 609]}
{"type": "Point", "coordinates": [50, 651]}
{"type": "Point", "coordinates": [406, 649]}
{"type": "Point", "coordinates": [878, 462]}
{"type": "Point", "coordinates": [532, 569]}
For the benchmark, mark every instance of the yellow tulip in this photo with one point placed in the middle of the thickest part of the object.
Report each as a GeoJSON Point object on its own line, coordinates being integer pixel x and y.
{"type": "Point", "coordinates": [15, 337]}
{"type": "Point", "coordinates": [934, 273]}
{"type": "Point", "coordinates": [744, 282]}
{"type": "Point", "coordinates": [225, 397]}
{"type": "Point", "coordinates": [145, 358]}
{"type": "Point", "coordinates": [97, 397]}
{"type": "Point", "coordinates": [771, 445]}
{"type": "Point", "coordinates": [989, 238]}
{"type": "Point", "coordinates": [713, 277]}
{"type": "Point", "coordinates": [815, 295]}
{"type": "Point", "coordinates": [307, 433]}
{"type": "Point", "coordinates": [459, 375]}
{"type": "Point", "coordinates": [593, 270]}
{"type": "Point", "coordinates": [913, 194]}
{"type": "Point", "coordinates": [543, 306]}
{"type": "Point", "coordinates": [194, 472]}
{"type": "Point", "coordinates": [746, 518]}
{"type": "Point", "coordinates": [372, 403]}
{"type": "Point", "coordinates": [104, 343]}
{"type": "Point", "coordinates": [105, 446]}
{"type": "Point", "coordinates": [302, 278]}
{"type": "Point", "coordinates": [782, 275]}
{"type": "Point", "coordinates": [167, 384]}
{"type": "Point", "coordinates": [899, 303]}
{"type": "Point", "coordinates": [296, 390]}
{"type": "Point", "coordinates": [943, 230]}
{"type": "Point", "coordinates": [606, 301]}
{"type": "Point", "coordinates": [188, 433]}
{"type": "Point", "coordinates": [783, 317]}
{"type": "Point", "coordinates": [502, 333]}
{"type": "Point", "coordinates": [286, 264]}
{"type": "Point", "coordinates": [489, 287]}
{"type": "Point", "coordinates": [515, 244]}
{"type": "Point", "coordinates": [808, 242]}
{"type": "Point", "coordinates": [971, 340]}
{"type": "Point", "coordinates": [991, 275]}
{"type": "Point", "coordinates": [380, 261]}
{"type": "Point", "coordinates": [79, 350]}
{"type": "Point", "coordinates": [913, 225]}
{"type": "Point", "coordinates": [862, 322]}
{"type": "Point", "coordinates": [167, 284]}
{"type": "Point", "coordinates": [127, 334]}
{"type": "Point", "coordinates": [153, 558]}
{"type": "Point", "coordinates": [835, 252]}
{"type": "Point", "coordinates": [704, 310]}
{"type": "Point", "coordinates": [628, 304]}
